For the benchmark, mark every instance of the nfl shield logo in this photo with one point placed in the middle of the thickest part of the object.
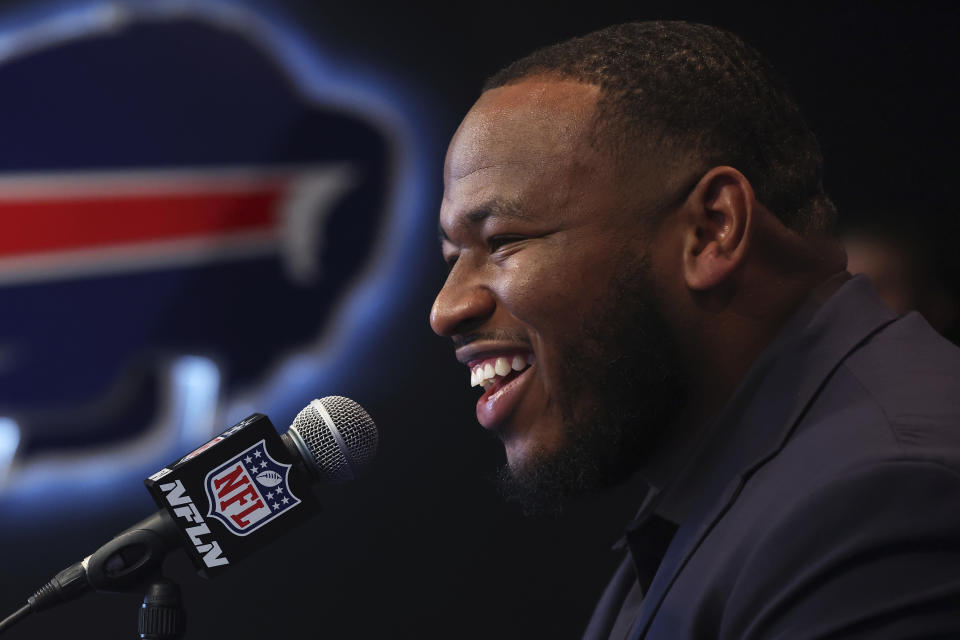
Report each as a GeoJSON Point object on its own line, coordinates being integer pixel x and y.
{"type": "Point", "coordinates": [249, 490]}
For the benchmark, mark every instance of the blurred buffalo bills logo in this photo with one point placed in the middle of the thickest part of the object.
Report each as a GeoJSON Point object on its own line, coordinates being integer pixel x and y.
{"type": "Point", "coordinates": [249, 491]}
{"type": "Point", "coordinates": [171, 183]}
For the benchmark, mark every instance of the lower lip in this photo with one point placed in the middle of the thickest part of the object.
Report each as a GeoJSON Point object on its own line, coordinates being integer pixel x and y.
{"type": "Point", "coordinates": [493, 409]}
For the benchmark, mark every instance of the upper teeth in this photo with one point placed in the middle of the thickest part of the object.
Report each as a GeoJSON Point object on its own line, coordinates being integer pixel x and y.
{"type": "Point", "coordinates": [482, 374]}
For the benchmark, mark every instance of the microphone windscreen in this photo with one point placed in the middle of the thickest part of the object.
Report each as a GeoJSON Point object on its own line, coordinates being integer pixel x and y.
{"type": "Point", "coordinates": [337, 437]}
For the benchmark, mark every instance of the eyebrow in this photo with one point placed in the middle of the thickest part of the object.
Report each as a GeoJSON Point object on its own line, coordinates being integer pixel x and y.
{"type": "Point", "coordinates": [496, 208]}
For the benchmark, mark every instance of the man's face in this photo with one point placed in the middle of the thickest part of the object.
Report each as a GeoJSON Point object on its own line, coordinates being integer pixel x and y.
{"type": "Point", "coordinates": [549, 299]}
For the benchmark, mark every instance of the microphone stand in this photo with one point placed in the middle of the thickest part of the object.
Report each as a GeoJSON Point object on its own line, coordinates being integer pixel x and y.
{"type": "Point", "coordinates": [125, 564]}
{"type": "Point", "coordinates": [162, 616]}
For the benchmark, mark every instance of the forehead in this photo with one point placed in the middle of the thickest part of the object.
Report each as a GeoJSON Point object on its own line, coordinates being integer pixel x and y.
{"type": "Point", "coordinates": [523, 122]}
{"type": "Point", "coordinates": [522, 148]}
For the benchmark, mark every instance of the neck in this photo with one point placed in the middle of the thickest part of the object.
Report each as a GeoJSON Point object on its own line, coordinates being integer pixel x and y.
{"type": "Point", "coordinates": [728, 344]}
{"type": "Point", "coordinates": [737, 321]}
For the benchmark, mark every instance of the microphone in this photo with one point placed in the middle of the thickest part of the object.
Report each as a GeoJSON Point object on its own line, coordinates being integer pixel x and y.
{"type": "Point", "coordinates": [227, 498]}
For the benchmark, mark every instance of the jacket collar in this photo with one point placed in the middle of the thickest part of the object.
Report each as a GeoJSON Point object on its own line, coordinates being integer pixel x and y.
{"type": "Point", "coordinates": [761, 415]}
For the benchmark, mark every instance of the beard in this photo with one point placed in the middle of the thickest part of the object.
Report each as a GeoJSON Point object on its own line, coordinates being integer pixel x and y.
{"type": "Point", "coordinates": [613, 417]}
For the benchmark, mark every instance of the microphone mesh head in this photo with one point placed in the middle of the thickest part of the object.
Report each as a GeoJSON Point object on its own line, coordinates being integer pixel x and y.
{"type": "Point", "coordinates": [339, 435]}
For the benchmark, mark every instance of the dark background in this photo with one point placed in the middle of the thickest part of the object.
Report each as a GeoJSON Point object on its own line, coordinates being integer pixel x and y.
{"type": "Point", "coordinates": [423, 546]}
{"type": "Point", "coordinates": [876, 82]}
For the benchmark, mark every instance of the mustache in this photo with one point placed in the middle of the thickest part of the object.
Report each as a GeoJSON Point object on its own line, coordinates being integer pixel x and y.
{"type": "Point", "coordinates": [498, 335]}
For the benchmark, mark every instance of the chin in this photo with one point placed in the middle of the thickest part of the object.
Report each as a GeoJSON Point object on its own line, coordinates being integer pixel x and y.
{"type": "Point", "coordinates": [517, 457]}
{"type": "Point", "coordinates": [528, 478]}
{"type": "Point", "coordinates": [525, 453]}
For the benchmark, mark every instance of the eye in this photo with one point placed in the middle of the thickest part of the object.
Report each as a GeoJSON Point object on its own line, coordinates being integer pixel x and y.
{"type": "Point", "coordinates": [498, 242]}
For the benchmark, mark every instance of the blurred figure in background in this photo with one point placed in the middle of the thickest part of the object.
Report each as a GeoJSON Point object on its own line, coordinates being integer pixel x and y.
{"type": "Point", "coordinates": [909, 267]}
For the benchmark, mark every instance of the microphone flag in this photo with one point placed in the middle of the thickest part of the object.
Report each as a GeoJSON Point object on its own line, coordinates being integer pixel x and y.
{"type": "Point", "coordinates": [235, 494]}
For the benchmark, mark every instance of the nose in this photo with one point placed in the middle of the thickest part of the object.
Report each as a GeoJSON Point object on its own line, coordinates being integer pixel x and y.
{"type": "Point", "coordinates": [461, 306]}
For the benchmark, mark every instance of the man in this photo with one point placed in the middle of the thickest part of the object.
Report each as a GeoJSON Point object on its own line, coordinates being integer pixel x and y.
{"type": "Point", "coordinates": [642, 279]}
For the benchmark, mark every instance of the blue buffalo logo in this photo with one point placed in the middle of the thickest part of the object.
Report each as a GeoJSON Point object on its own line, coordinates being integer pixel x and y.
{"type": "Point", "coordinates": [180, 193]}
{"type": "Point", "coordinates": [249, 490]}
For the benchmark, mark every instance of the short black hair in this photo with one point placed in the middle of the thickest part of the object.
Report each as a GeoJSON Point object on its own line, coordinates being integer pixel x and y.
{"type": "Point", "coordinates": [671, 86]}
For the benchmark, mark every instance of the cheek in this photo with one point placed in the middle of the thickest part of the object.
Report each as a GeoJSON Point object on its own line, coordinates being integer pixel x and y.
{"type": "Point", "coordinates": [549, 291]}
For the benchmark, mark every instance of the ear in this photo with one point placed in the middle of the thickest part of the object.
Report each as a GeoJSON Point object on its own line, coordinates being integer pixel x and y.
{"type": "Point", "coordinates": [717, 229]}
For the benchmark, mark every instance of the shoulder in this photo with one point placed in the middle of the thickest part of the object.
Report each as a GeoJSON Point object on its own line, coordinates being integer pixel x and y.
{"type": "Point", "coordinates": [854, 524]}
{"type": "Point", "coordinates": [911, 376]}
{"type": "Point", "coordinates": [896, 396]}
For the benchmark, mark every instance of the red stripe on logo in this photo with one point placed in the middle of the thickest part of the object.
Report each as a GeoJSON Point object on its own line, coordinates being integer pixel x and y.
{"type": "Point", "coordinates": [46, 225]}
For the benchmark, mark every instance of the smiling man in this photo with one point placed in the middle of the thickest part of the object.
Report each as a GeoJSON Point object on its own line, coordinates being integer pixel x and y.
{"type": "Point", "coordinates": [642, 280]}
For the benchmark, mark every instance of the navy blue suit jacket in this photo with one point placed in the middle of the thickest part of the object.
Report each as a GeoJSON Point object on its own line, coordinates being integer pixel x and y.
{"type": "Point", "coordinates": [827, 493]}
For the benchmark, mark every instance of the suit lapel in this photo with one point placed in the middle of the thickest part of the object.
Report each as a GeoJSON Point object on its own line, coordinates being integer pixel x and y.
{"type": "Point", "coordinates": [606, 612]}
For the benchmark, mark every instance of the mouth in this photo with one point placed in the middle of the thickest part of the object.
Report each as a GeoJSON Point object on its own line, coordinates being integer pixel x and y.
{"type": "Point", "coordinates": [503, 377]}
